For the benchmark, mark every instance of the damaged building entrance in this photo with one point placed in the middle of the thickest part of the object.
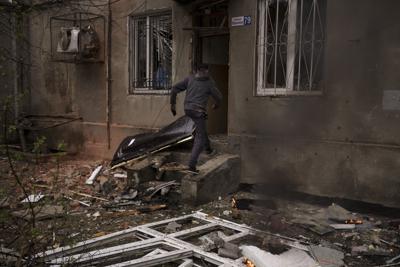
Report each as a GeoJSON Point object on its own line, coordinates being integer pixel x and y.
{"type": "Point", "coordinates": [211, 46]}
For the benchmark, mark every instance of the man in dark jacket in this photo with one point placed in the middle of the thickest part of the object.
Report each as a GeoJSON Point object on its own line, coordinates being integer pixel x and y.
{"type": "Point", "coordinates": [199, 88]}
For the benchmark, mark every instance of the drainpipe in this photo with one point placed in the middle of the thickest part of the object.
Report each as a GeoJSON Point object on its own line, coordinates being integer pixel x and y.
{"type": "Point", "coordinates": [16, 83]}
{"type": "Point", "coordinates": [109, 78]}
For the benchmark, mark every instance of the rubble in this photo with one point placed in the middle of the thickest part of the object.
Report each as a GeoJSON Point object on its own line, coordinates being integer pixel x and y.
{"type": "Point", "coordinates": [9, 256]}
{"type": "Point", "coordinates": [337, 213]}
{"type": "Point", "coordinates": [393, 260]}
{"type": "Point", "coordinates": [94, 174]}
{"type": "Point", "coordinates": [137, 208]}
{"type": "Point", "coordinates": [120, 175]}
{"type": "Point", "coordinates": [140, 171]}
{"type": "Point", "coordinates": [370, 250]}
{"type": "Point", "coordinates": [32, 198]}
{"type": "Point", "coordinates": [290, 258]}
{"type": "Point", "coordinates": [134, 200]}
{"type": "Point", "coordinates": [389, 243]}
{"type": "Point", "coordinates": [172, 227]}
{"type": "Point", "coordinates": [4, 202]}
{"type": "Point", "coordinates": [130, 195]}
{"type": "Point", "coordinates": [227, 212]}
{"type": "Point", "coordinates": [211, 241]}
{"type": "Point", "coordinates": [394, 223]}
{"type": "Point", "coordinates": [104, 249]}
{"type": "Point", "coordinates": [334, 217]}
{"type": "Point", "coordinates": [86, 204]}
{"type": "Point", "coordinates": [40, 212]}
{"type": "Point", "coordinates": [175, 236]}
{"type": "Point", "coordinates": [96, 214]}
{"type": "Point", "coordinates": [327, 257]}
{"type": "Point", "coordinates": [159, 188]}
{"type": "Point", "coordinates": [276, 245]}
{"type": "Point", "coordinates": [229, 250]}
{"type": "Point", "coordinates": [320, 229]}
{"type": "Point", "coordinates": [88, 196]}
{"type": "Point", "coordinates": [342, 226]}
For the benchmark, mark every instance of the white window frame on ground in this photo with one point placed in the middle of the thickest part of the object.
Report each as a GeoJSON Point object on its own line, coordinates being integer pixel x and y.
{"type": "Point", "coordinates": [290, 42]}
{"type": "Point", "coordinates": [150, 83]}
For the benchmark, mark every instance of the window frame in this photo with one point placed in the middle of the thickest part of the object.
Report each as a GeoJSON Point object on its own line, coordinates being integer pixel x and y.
{"type": "Point", "coordinates": [293, 32]}
{"type": "Point", "coordinates": [132, 52]}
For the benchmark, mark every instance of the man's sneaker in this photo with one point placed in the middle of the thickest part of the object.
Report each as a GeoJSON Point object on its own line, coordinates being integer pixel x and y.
{"type": "Point", "coordinates": [193, 170]}
{"type": "Point", "coordinates": [211, 152]}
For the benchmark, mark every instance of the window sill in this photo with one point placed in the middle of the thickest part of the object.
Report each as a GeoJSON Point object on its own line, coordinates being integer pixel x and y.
{"type": "Point", "coordinates": [138, 91]}
{"type": "Point", "coordinates": [279, 92]}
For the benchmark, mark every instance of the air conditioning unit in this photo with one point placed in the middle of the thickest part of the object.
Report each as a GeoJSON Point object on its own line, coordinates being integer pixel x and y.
{"type": "Point", "coordinates": [89, 42]}
{"type": "Point", "coordinates": [77, 37]}
{"type": "Point", "coordinates": [68, 40]}
{"type": "Point", "coordinates": [75, 40]}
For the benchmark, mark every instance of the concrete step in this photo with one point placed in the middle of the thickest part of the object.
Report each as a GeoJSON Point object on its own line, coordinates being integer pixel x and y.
{"type": "Point", "coordinates": [218, 176]}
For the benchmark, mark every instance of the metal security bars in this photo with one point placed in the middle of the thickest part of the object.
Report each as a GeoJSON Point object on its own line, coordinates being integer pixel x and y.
{"type": "Point", "coordinates": [290, 46]}
{"type": "Point", "coordinates": [150, 53]}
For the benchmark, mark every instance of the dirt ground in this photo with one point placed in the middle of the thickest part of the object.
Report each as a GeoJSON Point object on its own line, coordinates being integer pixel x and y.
{"type": "Point", "coordinates": [61, 178]}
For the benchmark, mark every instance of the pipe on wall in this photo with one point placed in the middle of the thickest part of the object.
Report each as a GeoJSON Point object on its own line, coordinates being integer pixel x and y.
{"type": "Point", "coordinates": [109, 78]}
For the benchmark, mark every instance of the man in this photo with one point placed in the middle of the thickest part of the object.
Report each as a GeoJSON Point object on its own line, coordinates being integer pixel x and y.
{"type": "Point", "coordinates": [199, 87]}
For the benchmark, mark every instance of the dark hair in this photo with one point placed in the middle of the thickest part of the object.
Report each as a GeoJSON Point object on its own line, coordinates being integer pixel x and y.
{"type": "Point", "coordinates": [202, 67]}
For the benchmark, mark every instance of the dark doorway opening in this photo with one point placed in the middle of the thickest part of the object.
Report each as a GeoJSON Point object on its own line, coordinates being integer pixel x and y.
{"type": "Point", "coordinates": [211, 46]}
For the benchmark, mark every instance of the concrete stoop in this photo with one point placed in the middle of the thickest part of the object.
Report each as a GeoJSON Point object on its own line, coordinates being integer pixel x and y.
{"type": "Point", "coordinates": [218, 176]}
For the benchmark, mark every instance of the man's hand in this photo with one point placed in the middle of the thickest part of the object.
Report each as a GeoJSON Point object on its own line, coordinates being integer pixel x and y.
{"type": "Point", "coordinates": [173, 109]}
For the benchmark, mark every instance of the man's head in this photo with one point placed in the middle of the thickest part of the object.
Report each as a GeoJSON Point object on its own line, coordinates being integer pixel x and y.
{"type": "Point", "coordinates": [202, 69]}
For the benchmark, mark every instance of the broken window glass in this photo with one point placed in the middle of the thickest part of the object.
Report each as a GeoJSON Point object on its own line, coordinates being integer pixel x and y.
{"type": "Point", "coordinates": [151, 52]}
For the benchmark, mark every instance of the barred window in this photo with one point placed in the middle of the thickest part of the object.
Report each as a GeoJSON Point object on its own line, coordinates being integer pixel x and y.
{"type": "Point", "coordinates": [290, 46]}
{"type": "Point", "coordinates": [150, 53]}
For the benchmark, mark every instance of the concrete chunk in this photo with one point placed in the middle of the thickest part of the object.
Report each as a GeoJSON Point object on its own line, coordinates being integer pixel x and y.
{"type": "Point", "coordinates": [327, 257]}
{"type": "Point", "coordinates": [229, 250]}
{"type": "Point", "coordinates": [337, 213]}
{"type": "Point", "coordinates": [41, 213]}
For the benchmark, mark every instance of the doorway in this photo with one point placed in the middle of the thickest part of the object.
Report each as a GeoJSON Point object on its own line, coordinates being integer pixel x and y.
{"type": "Point", "coordinates": [215, 52]}
{"type": "Point", "coordinates": [211, 46]}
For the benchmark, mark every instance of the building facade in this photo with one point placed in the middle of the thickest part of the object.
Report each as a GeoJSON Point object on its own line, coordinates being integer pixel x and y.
{"type": "Point", "coordinates": [312, 97]}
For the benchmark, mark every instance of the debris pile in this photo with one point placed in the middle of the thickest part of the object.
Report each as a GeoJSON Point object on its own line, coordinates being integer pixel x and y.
{"type": "Point", "coordinates": [332, 235]}
{"type": "Point", "coordinates": [194, 238]}
{"type": "Point", "coordinates": [100, 200]}
{"type": "Point", "coordinates": [138, 187]}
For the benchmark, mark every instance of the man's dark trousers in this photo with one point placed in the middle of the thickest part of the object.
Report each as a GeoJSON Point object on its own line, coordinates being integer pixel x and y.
{"type": "Point", "coordinates": [201, 140]}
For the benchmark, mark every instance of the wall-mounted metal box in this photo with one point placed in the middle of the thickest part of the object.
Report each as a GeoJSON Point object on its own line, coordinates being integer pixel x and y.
{"type": "Point", "coordinates": [78, 38]}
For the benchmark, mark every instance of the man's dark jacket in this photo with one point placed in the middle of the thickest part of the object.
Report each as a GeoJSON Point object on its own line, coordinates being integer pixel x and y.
{"type": "Point", "coordinates": [198, 89]}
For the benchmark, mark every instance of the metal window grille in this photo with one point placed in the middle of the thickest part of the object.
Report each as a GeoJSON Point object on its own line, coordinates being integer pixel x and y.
{"type": "Point", "coordinates": [151, 53]}
{"type": "Point", "coordinates": [290, 46]}
{"type": "Point", "coordinates": [150, 245]}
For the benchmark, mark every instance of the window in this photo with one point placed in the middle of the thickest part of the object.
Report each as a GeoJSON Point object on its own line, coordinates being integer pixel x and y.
{"type": "Point", "coordinates": [150, 53]}
{"type": "Point", "coordinates": [290, 46]}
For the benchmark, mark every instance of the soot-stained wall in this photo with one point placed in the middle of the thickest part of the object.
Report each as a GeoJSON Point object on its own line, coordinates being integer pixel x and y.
{"type": "Point", "coordinates": [344, 143]}
{"type": "Point", "coordinates": [80, 89]}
